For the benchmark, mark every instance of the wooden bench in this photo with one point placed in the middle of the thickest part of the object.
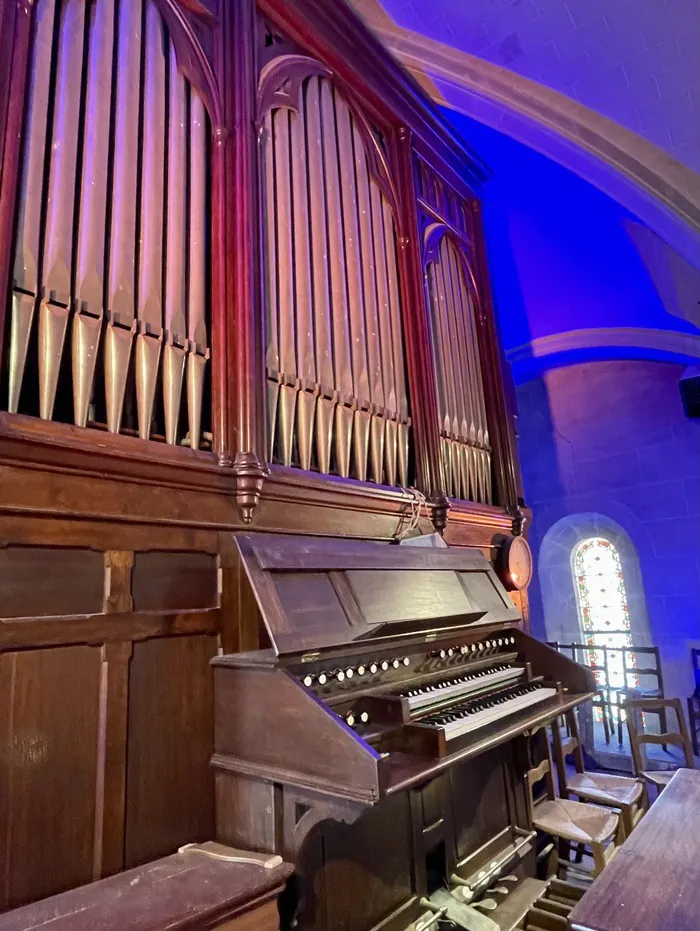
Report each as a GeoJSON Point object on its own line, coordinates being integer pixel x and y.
{"type": "Point", "coordinates": [189, 891]}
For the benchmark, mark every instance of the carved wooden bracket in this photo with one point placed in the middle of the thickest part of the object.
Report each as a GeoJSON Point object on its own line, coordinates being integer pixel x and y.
{"type": "Point", "coordinates": [440, 505]}
{"type": "Point", "coordinates": [191, 57]}
{"type": "Point", "coordinates": [303, 811]}
{"type": "Point", "coordinates": [281, 82]}
{"type": "Point", "coordinates": [280, 85]}
{"type": "Point", "coordinates": [250, 474]}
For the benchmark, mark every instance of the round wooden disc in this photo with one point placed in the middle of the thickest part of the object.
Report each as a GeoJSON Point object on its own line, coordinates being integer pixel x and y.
{"type": "Point", "coordinates": [515, 564]}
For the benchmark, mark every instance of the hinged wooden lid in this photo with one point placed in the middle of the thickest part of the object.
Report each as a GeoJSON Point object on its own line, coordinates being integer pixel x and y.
{"type": "Point", "coordinates": [315, 593]}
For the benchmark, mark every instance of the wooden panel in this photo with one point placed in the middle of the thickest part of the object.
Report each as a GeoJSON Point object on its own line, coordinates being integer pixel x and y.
{"type": "Point", "coordinates": [49, 731]}
{"type": "Point", "coordinates": [174, 581]}
{"type": "Point", "coordinates": [480, 801]}
{"type": "Point", "coordinates": [366, 867]}
{"type": "Point", "coordinates": [279, 552]}
{"type": "Point", "coordinates": [247, 813]}
{"type": "Point", "coordinates": [72, 581]}
{"type": "Point", "coordinates": [485, 590]}
{"type": "Point", "coordinates": [387, 596]}
{"type": "Point", "coordinates": [264, 918]}
{"type": "Point", "coordinates": [311, 603]}
{"type": "Point", "coordinates": [169, 783]}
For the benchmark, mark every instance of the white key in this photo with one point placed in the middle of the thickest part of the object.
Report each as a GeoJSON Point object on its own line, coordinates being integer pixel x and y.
{"type": "Point", "coordinates": [464, 688]}
{"type": "Point", "coordinates": [474, 721]}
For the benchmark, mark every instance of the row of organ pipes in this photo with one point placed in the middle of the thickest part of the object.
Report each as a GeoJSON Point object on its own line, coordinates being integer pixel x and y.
{"type": "Point", "coordinates": [120, 260]}
{"type": "Point", "coordinates": [463, 425]}
{"type": "Point", "coordinates": [335, 364]}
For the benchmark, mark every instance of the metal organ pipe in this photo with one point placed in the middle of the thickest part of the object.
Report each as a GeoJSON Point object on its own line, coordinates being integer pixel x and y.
{"type": "Point", "coordinates": [323, 330]}
{"type": "Point", "coordinates": [121, 291]}
{"type": "Point", "coordinates": [197, 349]}
{"type": "Point", "coordinates": [27, 244]}
{"type": "Point", "coordinates": [338, 282]}
{"type": "Point", "coordinates": [57, 263]}
{"type": "Point", "coordinates": [369, 300]}
{"type": "Point", "coordinates": [305, 361]}
{"type": "Point", "coordinates": [150, 292]}
{"type": "Point", "coordinates": [90, 283]}
{"type": "Point", "coordinates": [175, 335]}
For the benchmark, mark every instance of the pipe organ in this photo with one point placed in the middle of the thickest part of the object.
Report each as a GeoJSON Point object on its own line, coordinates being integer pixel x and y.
{"type": "Point", "coordinates": [109, 318]}
{"type": "Point", "coordinates": [337, 390]}
{"type": "Point", "coordinates": [455, 325]}
{"type": "Point", "coordinates": [243, 287]}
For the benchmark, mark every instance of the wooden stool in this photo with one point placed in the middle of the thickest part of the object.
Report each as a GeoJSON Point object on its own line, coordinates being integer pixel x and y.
{"type": "Point", "coordinates": [619, 792]}
{"type": "Point", "coordinates": [572, 822]}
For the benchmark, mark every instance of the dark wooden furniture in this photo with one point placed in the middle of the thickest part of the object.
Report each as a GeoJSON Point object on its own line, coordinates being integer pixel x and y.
{"type": "Point", "coordinates": [163, 383]}
{"type": "Point", "coordinates": [619, 792]}
{"type": "Point", "coordinates": [635, 709]}
{"type": "Point", "coordinates": [654, 881]}
{"type": "Point", "coordinates": [376, 743]}
{"type": "Point", "coordinates": [188, 891]}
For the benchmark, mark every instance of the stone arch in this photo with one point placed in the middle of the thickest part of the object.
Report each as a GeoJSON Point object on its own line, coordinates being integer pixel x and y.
{"type": "Point", "coordinates": [556, 577]}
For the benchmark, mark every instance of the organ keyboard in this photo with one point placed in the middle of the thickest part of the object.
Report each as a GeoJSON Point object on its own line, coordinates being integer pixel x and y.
{"type": "Point", "coordinates": [379, 727]}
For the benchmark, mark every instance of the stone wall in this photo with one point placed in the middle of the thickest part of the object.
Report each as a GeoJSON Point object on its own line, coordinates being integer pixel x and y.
{"type": "Point", "coordinates": [607, 445]}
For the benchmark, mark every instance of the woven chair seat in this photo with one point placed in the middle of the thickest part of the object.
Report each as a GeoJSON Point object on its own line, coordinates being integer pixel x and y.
{"type": "Point", "coordinates": [574, 821]}
{"type": "Point", "coordinates": [606, 788]}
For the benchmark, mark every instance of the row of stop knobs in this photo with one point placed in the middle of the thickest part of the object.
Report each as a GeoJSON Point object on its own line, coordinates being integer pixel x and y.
{"type": "Point", "coordinates": [486, 646]}
{"type": "Point", "coordinates": [340, 675]}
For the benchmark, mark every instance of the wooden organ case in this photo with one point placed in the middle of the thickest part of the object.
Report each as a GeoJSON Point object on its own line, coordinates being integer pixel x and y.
{"type": "Point", "coordinates": [242, 285]}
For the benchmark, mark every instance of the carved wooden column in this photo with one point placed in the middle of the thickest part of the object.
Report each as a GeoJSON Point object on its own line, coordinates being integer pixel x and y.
{"type": "Point", "coordinates": [15, 31]}
{"type": "Point", "coordinates": [239, 373]}
{"type": "Point", "coordinates": [424, 408]}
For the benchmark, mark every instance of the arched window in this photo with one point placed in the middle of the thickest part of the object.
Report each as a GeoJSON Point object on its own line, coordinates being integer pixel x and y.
{"type": "Point", "coordinates": [603, 610]}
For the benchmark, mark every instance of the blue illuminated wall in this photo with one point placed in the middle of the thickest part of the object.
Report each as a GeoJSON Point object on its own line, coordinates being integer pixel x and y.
{"type": "Point", "coordinates": [560, 253]}
{"type": "Point", "coordinates": [602, 432]}
{"type": "Point", "coordinates": [611, 438]}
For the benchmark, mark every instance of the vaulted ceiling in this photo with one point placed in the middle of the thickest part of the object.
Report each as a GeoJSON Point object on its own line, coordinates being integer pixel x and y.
{"type": "Point", "coordinates": [634, 61]}
{"type": "Point", "coordinates": [610, 90]}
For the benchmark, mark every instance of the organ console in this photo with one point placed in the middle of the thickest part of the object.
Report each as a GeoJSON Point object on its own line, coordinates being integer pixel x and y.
{"type": "Point", "coordinates": [377, 742]}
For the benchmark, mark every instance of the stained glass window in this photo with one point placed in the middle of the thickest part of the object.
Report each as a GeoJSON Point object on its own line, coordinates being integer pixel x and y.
{"type": "Point", "coordinates": [604, 612]}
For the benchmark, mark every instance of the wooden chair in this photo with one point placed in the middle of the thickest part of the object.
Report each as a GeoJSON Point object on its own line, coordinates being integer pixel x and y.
{"type": "Point", "coordinates": [634, 708]}
{"type": "Point", "coordinates": [570, 822]}
{"type": "Point", "coordinates": [655, 691]}
{"type": "Point", "coordinates": [619, 792]}
{"type": "Point", "coordinates": [600, 700]}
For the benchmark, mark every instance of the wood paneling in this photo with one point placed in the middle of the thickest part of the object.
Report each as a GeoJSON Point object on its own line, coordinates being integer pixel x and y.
{"type": "Point", "coordinates": [480, 800]}
{"type": "Point", "coordinates": [372, 855]}
{"type": "Point", "coordinates": [50, 732]}
{"type": "Point", "coordinates": [45, 582]}
{"type": "Point", "coordinates": [174, 581]}
{"type": "Point", "coordinates": [169, 798]}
